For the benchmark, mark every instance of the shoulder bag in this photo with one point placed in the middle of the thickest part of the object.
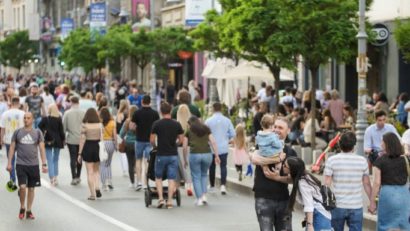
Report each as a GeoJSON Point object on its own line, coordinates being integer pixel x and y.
{"type": "Point", "coordinates": [103, 152]}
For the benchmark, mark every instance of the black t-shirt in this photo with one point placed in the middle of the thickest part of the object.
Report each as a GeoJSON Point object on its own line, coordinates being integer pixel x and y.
{"type": "Point", "coordinates": [270, 189]}
{"type": "Point", "coordinates": [393, 170]}
{"type": "Point", "coordinates": [34, 105]}
{"type": "Point", "coordinates": [144, 118]}
{"type": "Point", "coordinates": [167, 131]}
{"type": "Point", "coordinates": [257, 122]}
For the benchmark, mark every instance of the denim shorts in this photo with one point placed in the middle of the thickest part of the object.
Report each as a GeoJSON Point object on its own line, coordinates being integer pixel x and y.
{"type": "Point", "coordinates": [168, 165]}
{"type": "Point", "coordinates": [142, 149]}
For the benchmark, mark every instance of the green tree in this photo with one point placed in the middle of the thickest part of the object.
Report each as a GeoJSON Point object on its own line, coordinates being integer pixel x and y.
{"type": "Point", "coordinates": [167, 42]}
{"type": "Point", "coordinates": [255, 31]}
{"type": "Point", "coordinates": [402, 36]}
{"type": "Point", "coordinates": [142, 49]}
{"type": "Point", "coordinates": [115, 45]}
{"type": "Point", "coordinates": [78, 50]}
{"type": "Point", "coordinates": [207, 37]}
{"type": "Point", "coordinates": [320, 30]}
{"type": "Point", "coordinates": [17, 49]}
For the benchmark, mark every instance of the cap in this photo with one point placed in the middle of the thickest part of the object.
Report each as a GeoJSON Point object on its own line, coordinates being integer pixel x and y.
{"type": "Point", "coordinates": [33, 84]}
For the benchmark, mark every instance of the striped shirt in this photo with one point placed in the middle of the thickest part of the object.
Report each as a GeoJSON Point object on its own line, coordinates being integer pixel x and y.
{"type": "Point", "coordinates": [347, 171]}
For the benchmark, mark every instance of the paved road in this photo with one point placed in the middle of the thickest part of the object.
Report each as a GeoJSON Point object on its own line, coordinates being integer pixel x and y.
{"type": "Point", "coordinates": [65, 208]}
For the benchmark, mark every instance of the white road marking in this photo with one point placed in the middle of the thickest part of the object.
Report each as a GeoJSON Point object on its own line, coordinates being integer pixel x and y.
{"type": "Point", "coordinates": [86, 207]}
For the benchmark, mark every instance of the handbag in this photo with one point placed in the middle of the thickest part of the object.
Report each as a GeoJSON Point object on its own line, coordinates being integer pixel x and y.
{"type": "Point", "coordinates": [103, 152]}
{"type": "Point", "coordinates": [121, 146]}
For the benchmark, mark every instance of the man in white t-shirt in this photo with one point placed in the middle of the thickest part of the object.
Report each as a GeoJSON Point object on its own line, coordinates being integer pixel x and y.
{"type": "Point", "coordinates": [261, 95]}
{"type": "Point", "coordinates": [10, 121]}
{"type": "Point", "coordinates": [349, 175]}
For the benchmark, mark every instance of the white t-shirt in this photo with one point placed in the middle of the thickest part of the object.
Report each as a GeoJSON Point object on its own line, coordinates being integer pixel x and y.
{"type": "Point", "coordinates": [11, 120]}
{"type": "Point", "coordinates": [48, 100]}
{"type": "Point", "coordinates": [407, 107]}
{"type": "Point", "coordinates": [262, 95]}
{"type": "Point", "coordinates": [406, 140]}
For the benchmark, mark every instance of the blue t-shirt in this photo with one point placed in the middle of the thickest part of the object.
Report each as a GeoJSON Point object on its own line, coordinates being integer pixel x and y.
{"type": "Point", "coordinates": [135, 100]}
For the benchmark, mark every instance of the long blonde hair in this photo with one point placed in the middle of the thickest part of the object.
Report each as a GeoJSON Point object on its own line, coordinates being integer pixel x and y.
{"type": "Point", "coordinates": [240, 137]}
{"type": "Point", "coordinates": [123, 106]}
{"type": "Point", "coordinates": [183, 115]}
{"type": "Point", "coordinates": [53, 111]}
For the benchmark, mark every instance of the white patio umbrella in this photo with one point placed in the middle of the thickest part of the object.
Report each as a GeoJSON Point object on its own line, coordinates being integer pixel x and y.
{"type": "Point", "coordinates": [216, 69]}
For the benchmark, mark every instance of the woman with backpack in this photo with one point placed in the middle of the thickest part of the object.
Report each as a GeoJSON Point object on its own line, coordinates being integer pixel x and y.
{"type": "Point", "coordinates": [307, 191]}
{"type": "Point", "coordinates": [54, 139]}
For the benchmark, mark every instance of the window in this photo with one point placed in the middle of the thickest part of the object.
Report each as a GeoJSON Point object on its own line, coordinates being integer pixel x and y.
{"type": "Point", "coordinates": [18, 18]}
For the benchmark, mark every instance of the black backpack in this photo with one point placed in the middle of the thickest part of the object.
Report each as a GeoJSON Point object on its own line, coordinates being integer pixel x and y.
{"type": "Point", "coordinates": [329, 199]}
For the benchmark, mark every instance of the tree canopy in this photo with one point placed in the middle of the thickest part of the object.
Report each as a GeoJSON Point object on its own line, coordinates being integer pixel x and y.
{"type": "Point", "coordinates": [402, 36]}
{"type": "Point", "coordinates": [78, 50]}
{"type": "Point", "coordinates": [17, 49]}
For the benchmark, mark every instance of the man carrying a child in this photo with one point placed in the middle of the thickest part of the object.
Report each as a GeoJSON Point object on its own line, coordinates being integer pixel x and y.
{"type": "Point", "coordinates": [271, 197]}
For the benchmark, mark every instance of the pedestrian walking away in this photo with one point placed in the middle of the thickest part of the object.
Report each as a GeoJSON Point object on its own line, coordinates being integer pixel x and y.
{"type": "Point", "coordinates": [89, 151]}
{"type": "Point", "coordinates": [71, 121]}
{"type": "Point", "coordinates": [143, 119]}
{"type": "Point", "coordinates": [127, 132]}
{"type": "Point", "coordinates": [122, 116]}
{"type": "Point", "coordinates": [10, 121]}
{"type": "Point", "coordinates": [110, 142]}
{"type": "Point", "coordinates": [223, 131]}
{"type": "Point", "coordinates": [348, 187]}
{"type": "Point", "coordinates": [199, 138]}
{"type": "Point", "coordinates": [166, 132]}
{"type": "Point", "coordinates": [25, 143]}
{"type": "Point", "coordinates": [54, 139]}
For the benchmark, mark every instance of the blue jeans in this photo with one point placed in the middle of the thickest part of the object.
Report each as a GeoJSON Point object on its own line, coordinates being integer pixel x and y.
{"type": "Point", "coordinates": [352, 217]}
{"type": "Point", "coordinates": [320, 222]}
{"type": "Point", "coordinates": [199, 164]}
{"type": "Point", "coordinates": [36, 122]}
{"type": "Point", "coordinates": [224, 171]}
{"type": "Point", "coordinates": [53, 155]}
{"type": "Point", "coordinates": [142, 149]}
{"type": "Point", "coordinates": [393, 210]}
{"type": "Point", "coordinates": [13, 164]}
{"type": "Point", "coordinates": [168, 165]}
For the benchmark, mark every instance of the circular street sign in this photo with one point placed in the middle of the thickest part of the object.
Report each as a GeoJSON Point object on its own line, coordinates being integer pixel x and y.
{"type": "Point", "coordinates": [382, 34]}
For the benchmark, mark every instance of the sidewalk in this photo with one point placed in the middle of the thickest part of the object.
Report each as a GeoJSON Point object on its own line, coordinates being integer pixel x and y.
{"type": "Point", "coordinates": [245, 187]}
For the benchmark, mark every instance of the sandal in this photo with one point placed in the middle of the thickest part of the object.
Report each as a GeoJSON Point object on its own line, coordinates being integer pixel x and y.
{"type": "Point", "coordinates": [21, 213]}
{"type": "Point", "coordinates": [29, 215]}
{"type": "Point", "coordinates": [161, 203]}
{"type": "Point", "coordinates": [91, 198]}
{"type": "Point", "coordinates": [170, 206]}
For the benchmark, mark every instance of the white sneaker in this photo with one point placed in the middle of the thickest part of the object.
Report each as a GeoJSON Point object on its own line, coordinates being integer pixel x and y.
{"type": "Point", "coordinates": [204, 199]}
{"type": "Point", "coordinates": [139, 187]}
{"type": "Point", "coordinates": [211, 190]}
{"type": "Point", "coordinates": [199, 202]}
{"type": "Point", "coordinates": [131, 185]}
{"type": "Point", "coordinates": [223, 190]}
{"type": "Point", "coordinates": [105, 188]}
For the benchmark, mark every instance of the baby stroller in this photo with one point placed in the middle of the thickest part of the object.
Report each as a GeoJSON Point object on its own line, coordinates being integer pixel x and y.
{"type": "Point", "coordinates": [151, 192]}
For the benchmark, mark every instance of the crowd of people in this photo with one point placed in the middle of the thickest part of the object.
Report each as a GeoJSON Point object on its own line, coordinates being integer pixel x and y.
{"type": "Point", "coordinates": [189, 146]}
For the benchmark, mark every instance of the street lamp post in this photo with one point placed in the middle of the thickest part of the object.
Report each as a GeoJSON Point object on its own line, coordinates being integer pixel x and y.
{"type": "Point", "coordinates": [153, 71]}
{"type": "Point", "coordinates": [362, 65]}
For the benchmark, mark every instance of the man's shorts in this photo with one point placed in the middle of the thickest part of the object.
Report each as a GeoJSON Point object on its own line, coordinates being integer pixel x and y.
{"type": "Point", "coordinates": [168, 165]}
{"type": "Point", "coordinates": [28, 175]}
{"type": "Point", "coordinates": [142, 149]}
